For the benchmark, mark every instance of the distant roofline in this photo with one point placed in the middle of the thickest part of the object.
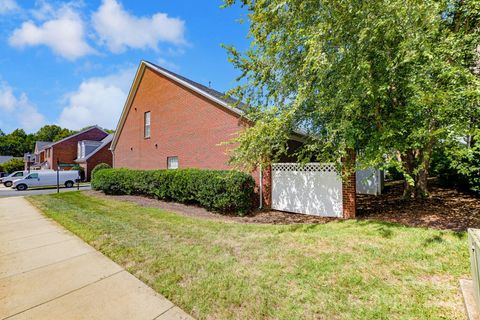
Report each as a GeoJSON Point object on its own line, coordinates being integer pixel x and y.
{"type": "Point", "coordinates": [76, 134]}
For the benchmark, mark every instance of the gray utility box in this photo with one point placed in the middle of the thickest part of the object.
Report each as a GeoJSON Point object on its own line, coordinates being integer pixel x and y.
{"type": "Point", "coordinates": [474, 245]}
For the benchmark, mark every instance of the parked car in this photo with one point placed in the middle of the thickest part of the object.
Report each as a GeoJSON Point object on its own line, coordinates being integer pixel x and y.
{"type": "Point", "coordinates": [45, 178]}
{"type": "Point", "coordinates": [8, 180]}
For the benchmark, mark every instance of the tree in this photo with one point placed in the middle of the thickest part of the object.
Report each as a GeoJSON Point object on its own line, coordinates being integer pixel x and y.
{"type": "Point", "coordinates": [13, 165]}
{"type": "Point", "coordinates": [17, 143]}
{"type": "Point", "coordinates": [389, 79]}
{"type": "Point", "coordinates": [53, 133]}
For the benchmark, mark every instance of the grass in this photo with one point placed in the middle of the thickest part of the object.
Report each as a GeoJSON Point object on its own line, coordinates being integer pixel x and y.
{"type": "Point", "coordinates": [218, 270]}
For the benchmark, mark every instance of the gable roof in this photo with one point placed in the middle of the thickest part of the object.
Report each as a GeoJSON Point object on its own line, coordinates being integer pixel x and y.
{"type": "Point", "coordinates": [209, 93]}
{"type": "Point", "coordinates": [40, 145]}
{"type": "Point", "coordinates": [105, 141]}
{"type": "Point", "coordinates": [75, 134]}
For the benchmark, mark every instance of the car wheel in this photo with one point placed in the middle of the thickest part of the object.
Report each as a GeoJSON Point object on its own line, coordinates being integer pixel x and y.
{"type": "Point", "coordinates": [8, 184]}
{"type": "Point", "coordinates": [22, 187]}
{"type": "Point", "coordinates": [69, 184]}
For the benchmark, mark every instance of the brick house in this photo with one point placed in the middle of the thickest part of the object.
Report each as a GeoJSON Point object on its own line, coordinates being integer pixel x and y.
{"type": "Point", "coordinates": [169, 122]}
{"type": "Point", "coordinates": [85, 148]}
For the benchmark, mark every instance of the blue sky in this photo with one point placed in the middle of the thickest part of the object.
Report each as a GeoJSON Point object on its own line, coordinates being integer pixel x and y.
{"type": "Point", "coordinates": [72, 63]}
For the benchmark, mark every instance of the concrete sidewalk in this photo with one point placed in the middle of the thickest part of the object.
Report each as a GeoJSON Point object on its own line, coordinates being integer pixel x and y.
{"type": "Point", "coordinates": [48, 273]}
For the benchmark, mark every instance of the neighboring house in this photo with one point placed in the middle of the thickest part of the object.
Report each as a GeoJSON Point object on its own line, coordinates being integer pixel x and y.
{"type": "Point", "coordinates": [47, 154]}
{"type": "Point", "coordinates": [92, 152]}
{"type": "Point", "coordinates": [169, 121]}
{"type": "Point", "coordinates": [37, 160]}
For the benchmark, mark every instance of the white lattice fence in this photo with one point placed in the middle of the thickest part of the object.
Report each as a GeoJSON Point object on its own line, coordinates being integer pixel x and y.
{"type": "Point", "coordinates": [314, 188]}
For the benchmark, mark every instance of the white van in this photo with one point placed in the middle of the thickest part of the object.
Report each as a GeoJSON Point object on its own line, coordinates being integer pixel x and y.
{"type": "Point", "coordinates": [8, 180]}
{"type": "Point", "coordinates": [46, 179]}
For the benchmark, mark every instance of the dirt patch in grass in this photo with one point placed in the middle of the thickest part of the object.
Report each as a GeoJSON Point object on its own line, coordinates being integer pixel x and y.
{"type": "Point", "coordinates": [263, 217]}
{"type": "Point", "coordinates": [446, 209]}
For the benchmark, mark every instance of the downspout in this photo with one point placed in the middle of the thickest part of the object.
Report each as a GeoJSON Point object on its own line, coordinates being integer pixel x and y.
{"type": "Point", "coordinates": [260, 188]}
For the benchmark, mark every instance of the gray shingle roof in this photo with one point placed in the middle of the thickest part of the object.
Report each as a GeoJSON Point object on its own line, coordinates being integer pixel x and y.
{"type": "Point", "coordinates": [4, 159]}
{"type": "Point", "coordinates": [40, 145]}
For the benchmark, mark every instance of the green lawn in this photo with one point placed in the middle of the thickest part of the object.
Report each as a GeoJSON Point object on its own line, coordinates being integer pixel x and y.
{"type": "Point", "coordinates": [217, 270]}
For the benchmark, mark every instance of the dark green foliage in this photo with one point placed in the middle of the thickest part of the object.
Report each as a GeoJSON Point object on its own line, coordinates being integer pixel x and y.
{"type": "Point", "coordinates": [17, 143]}
{"type": "Point", "coordinates": [100, 166]}
{"type": "Point", "coordinates": [13, 165]}
{"type": "Point", "coordinates": [222, 191]}
{"type": "Point", "coordinates": [458, 166]}
{"type": "Point", "coordinates": [53, 133]}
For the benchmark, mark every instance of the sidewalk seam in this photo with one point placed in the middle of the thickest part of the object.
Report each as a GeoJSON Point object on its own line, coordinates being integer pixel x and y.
{"type": "Point", "coordinates": [38, 234]}
{"type": "Point", "coordinates": [45, 245]}
{"type": "Point", "coordinates": [31, 235]}
{"type": "Point", "coordinates": [174, 305]}
{"type": "Point", "coordinates": [64, 294]}
{"type": "Point", "coordinates": [50, 264]}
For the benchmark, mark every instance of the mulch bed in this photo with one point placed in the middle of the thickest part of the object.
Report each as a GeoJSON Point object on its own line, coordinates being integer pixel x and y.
{"type": "Point", "coordinates": [265, 217]}
{"type": "Point", "coordinates": [446, 209]}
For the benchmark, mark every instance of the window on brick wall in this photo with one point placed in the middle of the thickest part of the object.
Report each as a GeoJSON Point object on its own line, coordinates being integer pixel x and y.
{"type": "Point", "coordinates": [172, 162]}
{"type": "Point", "coordinates": [146, 124]}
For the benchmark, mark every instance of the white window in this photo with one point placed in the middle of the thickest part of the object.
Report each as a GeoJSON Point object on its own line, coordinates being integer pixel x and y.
{"type": "Point", "coordinates": [172, 162]}
{"type": "Point", "coordinates": [146, 123]}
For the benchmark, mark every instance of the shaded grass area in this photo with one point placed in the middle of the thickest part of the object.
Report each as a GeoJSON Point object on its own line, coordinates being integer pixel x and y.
{"type": "Point", "coordinates": [221, 270]}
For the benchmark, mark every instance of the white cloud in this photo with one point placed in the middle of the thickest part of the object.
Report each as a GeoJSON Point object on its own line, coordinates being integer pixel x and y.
{"type": "Point", "coordinates": [64, 33]}
{"type": "Point", "coordinates": [97, 101]}
{"type": "Point", "coordinates": [7, 6]}
{"type": "Point", "coordinates": [7, 99]}
{"type": "Point", "coordinates": [119, 30]}
{"type": "Point", "coordinates": [18, 111]}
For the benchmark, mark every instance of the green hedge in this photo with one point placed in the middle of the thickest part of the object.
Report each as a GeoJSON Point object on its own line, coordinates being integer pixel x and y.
{"type": "Point", "coordinates": [222, 191]}
{"type": "Point", "coordinates": [98, 167]}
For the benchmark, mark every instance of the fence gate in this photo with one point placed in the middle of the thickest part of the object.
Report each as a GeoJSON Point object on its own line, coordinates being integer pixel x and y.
{"type": "Point", "coordinates": [315, 188]}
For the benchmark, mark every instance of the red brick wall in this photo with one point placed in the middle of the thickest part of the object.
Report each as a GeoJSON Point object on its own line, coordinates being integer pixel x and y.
{"type": "Point", "coordinates": [66, 151]}
{"type": "Point", "coordinates": [349, 187]}
{"type": "Point", "coordinates": [102, 156]}
{"type": "Point", "coordinates": [183, 124]}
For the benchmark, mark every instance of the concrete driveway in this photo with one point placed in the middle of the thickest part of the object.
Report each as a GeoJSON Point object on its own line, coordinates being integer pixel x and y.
{"type": "Point", "coordinates": [9, 192]}
{"type": "Point", "coordinates": [48, 273]}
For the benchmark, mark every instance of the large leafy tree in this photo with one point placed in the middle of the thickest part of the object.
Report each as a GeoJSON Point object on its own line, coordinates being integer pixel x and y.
{"type": "Point", "coordinates": [53, 133]}
{"type": "Point", "coordinates": [388, 78]}
{"type": "Point", "coordinates": [17, 143]}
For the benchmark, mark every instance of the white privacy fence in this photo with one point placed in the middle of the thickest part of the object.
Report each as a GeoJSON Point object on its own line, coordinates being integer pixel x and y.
{"type": "Point", "coordinates": [315, 188]}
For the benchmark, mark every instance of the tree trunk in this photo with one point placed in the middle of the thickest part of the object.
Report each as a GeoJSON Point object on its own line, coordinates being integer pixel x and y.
{"type": "Point", "coordinates": [416, 164]}
{"type": "Point", "coordinates": [408, 166]}
{"type": "Point", "coordinates": [421, 184]}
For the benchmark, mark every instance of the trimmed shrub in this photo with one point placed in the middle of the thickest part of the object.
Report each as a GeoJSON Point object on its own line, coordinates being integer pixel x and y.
{"type": "Point", "coordinates": [98, 167]}
{"type": "Point", "coordinates": [221, 191]}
